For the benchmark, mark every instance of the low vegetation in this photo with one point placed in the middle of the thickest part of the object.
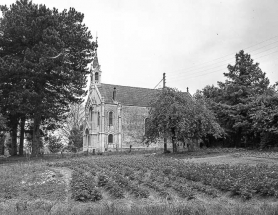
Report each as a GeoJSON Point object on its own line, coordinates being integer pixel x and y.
{"type": "Point", "coordinates": [30, 181]}
{"type": "Point", "coordinates": [139, 184]}
{"type": "Point", "coordinates": [166, 176]}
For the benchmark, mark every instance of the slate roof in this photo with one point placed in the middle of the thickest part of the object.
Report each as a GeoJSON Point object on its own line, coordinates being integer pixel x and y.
{"type": "Point", "coordinates": [132, 96]}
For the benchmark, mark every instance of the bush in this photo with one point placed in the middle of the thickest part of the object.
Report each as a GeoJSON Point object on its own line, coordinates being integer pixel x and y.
{"type": "Point", "coordinates": [54, 144]}
{"type": "Point", "coordinates": [84, 188]}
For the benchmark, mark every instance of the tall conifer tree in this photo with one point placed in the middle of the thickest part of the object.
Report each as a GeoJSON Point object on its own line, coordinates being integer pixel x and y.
{"type": "Point", "coordinates": [44, 55]}
{"type": "Point", "coordinates": [233, 100]}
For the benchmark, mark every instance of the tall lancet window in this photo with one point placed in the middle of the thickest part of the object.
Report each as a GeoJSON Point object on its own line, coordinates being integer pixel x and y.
{"type": "Point", "coordinates": [91, 114]}
{"type": "Point", "coordinates": [110, 139]}
{"type": "Point", "coordinates": [87, 137]}
{"type": "Point", "coordinates": [96, 76]}
{"type": "Point", "coordinates": [110, 118]}
{"type": "Point", "coordinates": [98, 119]}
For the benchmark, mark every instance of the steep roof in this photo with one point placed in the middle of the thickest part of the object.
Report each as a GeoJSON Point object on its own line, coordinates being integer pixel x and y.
{"type": "Point", "coordinates": [134, 96]}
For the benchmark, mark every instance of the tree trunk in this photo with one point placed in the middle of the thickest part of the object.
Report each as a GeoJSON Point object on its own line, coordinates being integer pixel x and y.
{"type": "Point", "coordinates": [238, 138]}
{"type": "Point", "coordinates": [165, 142]}
{"type": "Point", "coordinates": [165, 145]}
{"type": "Point", "coordinates": [22, 130]}
{"type": "Point", "coordinates": [2, 140]}
{"type": "Point", "coordinates": [174, 143]}
{"type": "Point", "coordinates": [191, 145]}
{"type": "Point", "coordinates": [36, 135]}
{"type": "Point", "coordinates": [14, 136]}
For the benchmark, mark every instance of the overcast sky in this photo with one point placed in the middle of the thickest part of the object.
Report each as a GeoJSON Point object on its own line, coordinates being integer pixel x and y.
{"type": "Point", "coordinates": [192, 41]}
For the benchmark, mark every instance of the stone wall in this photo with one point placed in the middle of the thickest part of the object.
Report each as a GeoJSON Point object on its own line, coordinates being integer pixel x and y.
{"type": "Point", "coordinates": [133, 125]}
{"type": "Point", "coordinates": [112, 129]}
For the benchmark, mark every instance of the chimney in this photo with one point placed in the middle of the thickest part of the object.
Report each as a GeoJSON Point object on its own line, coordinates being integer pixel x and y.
{"type": "Point", "coordinates": [114, 94]}
{"type": "Point", "coordinates": [187, 89]}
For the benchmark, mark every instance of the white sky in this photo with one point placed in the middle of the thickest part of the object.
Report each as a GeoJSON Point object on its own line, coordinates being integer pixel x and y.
{"type": "Point", "coordinates": [141, 39]}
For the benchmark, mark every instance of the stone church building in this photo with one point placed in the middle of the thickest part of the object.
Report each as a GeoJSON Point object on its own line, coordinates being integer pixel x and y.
{"type": "Point", "coordinates": [115, 115]}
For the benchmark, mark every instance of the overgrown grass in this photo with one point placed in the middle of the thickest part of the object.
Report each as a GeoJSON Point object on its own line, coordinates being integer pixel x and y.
{"type": "Point", "coordinates": [202, 152]}
{"type": "Point", "coordinates": [35, 188]}
{"type": "Point", "coordinates": [189, 208]}
{"type": "Point", "coordinates": [29, 181]}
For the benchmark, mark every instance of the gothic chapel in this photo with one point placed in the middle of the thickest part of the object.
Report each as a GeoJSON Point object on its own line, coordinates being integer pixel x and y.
{"type": "Point", "coordinates": [115, 115]}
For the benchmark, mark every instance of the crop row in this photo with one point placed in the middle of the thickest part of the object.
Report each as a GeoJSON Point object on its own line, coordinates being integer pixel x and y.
{"type": "Point", "coordinates": [84, 188]}
{"type": "Point", "coordinates": [241, 180]}
{"type": "Point", "coordinates": [132, 174]}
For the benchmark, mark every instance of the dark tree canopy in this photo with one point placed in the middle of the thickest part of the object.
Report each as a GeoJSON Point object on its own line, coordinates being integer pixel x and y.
{"type": "Point", "coordinates": [264, 115]}
{"type": "Point", "coordinates": [44, 55]}
{"type": "Point", "coordinates": [234, 100]}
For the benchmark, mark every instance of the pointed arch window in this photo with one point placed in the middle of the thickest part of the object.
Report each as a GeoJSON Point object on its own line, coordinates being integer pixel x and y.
{"type": "Point", "coordinates": [96, 76]}
{"type": "Point", "coordinates": [98, 119]}
{"type": "Point", "coordinates": [110, 118]}
{"type": "Point", "coordinates": [87, 137]}
{"type": "Point", "coordinates": [110, 139]}
{"type": "Point", "coordinates": [91, 114]}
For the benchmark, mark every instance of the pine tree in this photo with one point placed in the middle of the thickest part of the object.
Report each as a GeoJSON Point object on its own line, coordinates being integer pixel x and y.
{"type": "Point", "coordinates": [233, 100]}
{"type": "Point", "coordinates": [45, 54]}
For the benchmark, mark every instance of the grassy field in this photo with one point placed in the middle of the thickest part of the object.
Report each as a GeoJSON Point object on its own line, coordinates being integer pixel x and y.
{"type": "Point", "coordinates": [212, 181]}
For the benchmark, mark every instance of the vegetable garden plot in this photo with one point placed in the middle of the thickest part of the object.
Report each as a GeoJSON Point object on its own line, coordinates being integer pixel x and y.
{"type": "Point", "coordinates": [138, 176]}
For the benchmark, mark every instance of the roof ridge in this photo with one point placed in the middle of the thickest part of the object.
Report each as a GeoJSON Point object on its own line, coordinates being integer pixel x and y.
{"type": "Point", "coordinates": [128, 86]}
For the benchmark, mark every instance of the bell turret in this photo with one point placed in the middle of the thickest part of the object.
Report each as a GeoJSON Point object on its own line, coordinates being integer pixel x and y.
{"type": "Point", "coordinates": [95, 70]}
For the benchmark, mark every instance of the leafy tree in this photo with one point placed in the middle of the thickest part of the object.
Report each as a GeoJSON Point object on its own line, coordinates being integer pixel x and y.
{"type": "Point", "coordinates": [76, 138]}
{"type": "Point", "coordinates": [177, 115]}
{"type": "Point", "coordinates": [45, 54]}
{"type": "Point", "coordinates": [54, 144]}
{"type": "Point", "coordinates": [233, 99]}
{"type": "Point", "coordinates": [73, 122]}
{"type": "Point", "coordinates": [265, 117]}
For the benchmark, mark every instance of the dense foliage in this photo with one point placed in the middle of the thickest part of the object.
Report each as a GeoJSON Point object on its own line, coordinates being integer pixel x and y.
{"type": "Point", "coordinates": [71, 128]}
{"type": "Point", "coordinates": [3, 122]}
{"type": "Point", "coordinates": [245, 104]}
{"type": "Point", "coordinates": [179, 116]}
{"type": "Point", "coordinates": [264, 114]}
{"type": "Point", "coordinates": [76, 138]}
{"type": "Point", "coordinates": [44, 55]}
{"type": "Point", "coordinates": [54, 144]}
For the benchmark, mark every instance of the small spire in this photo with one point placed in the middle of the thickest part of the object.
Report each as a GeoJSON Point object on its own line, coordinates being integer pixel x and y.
{"type": "Point", "coordinates": [95, 62]}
